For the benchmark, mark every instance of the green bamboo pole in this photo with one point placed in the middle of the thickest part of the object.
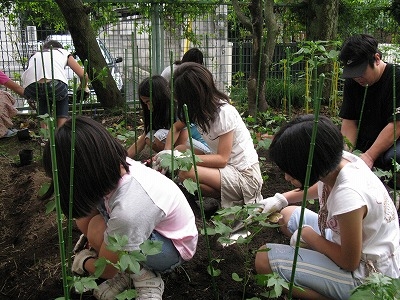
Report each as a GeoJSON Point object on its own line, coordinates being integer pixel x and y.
{"type": "Point", "coordinates": [361, 114]}
{"type": "Point", "coordinates": [134, 94]}
{"type": "Point", "coordinates": [394, 137]}
{"type": "Point", "coordinates": [317, 105]}
{"type": "Point", "coordinates": [172, 112]}
{"type": "Point", "coordinates": [71, 174]}
{"type": "Point", "coordinates": [151, 94]}
{"type": "Point", "coordinates": [203, 217]}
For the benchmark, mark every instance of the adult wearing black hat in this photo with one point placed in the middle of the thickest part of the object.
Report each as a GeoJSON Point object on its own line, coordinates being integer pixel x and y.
{"type": "Point", "coordinates": [367, 110]}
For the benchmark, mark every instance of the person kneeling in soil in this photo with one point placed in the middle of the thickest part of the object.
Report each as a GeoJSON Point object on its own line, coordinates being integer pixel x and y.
{"type": "Point", "coordinates": [356, 231]}
{"type": "Point", "coordinates": [140, 203]}
{"type": "Point", "coordinates": [230, 174]}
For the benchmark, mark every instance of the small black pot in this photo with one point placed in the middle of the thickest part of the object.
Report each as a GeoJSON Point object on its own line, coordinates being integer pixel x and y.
{"type": "Point", "coordinates": [25, 157]}
{"type": "Point", "coordinates": [23, 135]}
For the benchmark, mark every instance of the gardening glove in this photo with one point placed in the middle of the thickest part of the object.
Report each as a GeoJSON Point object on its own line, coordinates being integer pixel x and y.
{"type": "Point", "coordinates": [80, 259]}
{"type": "Point", "coordinates": [293, 239]}
{"type": "Point", "coordinates": [162, 160]}
{"type": "Point", "coordinates": [274, 204]}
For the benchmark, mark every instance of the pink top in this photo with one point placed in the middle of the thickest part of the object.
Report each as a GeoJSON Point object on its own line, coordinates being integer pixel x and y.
{"type": "Point", "coordinates": [3, 78]}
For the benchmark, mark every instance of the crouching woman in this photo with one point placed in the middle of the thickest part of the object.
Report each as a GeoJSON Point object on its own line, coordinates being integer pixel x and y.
{"type": "Point", "coordinates": [115, 195]}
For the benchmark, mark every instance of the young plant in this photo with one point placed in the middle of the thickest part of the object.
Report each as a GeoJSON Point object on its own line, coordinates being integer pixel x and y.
{"type": "Point", "coordinates": [239, 225]}
{"type": "Point", "coordinates": [377, 287]}
{"type": "Point", "coordinates": [128, 262]}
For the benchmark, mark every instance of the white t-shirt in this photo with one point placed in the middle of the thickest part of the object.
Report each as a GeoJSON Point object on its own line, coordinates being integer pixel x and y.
{"type": "Point", "coordinates": [44, 70]}
{"type": "Point", "coordinates": [357, 186]}
{"type": "Point", "coordinates": [243, 154]}
{"type": "Point", "coordinates": [145, 200]}
{"type": "Point", "coordinates": [166, 73]}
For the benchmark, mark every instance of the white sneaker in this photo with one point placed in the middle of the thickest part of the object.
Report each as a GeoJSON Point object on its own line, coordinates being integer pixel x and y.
{"type": "Point", "coordinates": [148, 285]}
{"type": "Point", "coordinates": [112, 287]}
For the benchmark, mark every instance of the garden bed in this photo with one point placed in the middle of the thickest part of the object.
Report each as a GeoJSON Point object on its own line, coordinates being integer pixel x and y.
{"type": "Point", "coordinates": [30, 256]}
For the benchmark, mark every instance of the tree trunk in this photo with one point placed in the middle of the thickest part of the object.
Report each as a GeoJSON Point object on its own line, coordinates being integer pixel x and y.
{"type": "Point", "coordinates": [322, 16]}
{"type": "Point", "coordinates": [261, 21]}
{"type": "Point", "coordinates": [87, 48]}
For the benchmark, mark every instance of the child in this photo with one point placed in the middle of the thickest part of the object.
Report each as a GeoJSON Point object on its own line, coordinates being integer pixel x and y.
{"type": "Point", "coordinates": [7, 109]}
{"type": "Point", "coordinates": [231, 172]}
{"type": "Point", "coordinates": [159, 106]}
{"type": "Point", "coordinates": [45, 72]}
{"type": "Point", "coordinates": [139, 202]}
{"type": "Point", "coordinates": [356, 231]}
{"type": "Point", "coordinates": [193, 55]}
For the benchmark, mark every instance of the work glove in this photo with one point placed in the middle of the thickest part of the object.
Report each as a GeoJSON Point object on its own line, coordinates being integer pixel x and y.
{"type": "Point", "coordinates": [293, 239]}
{"type": "Point", "coordinates": [80, 259]}
{"type": "Point", "coordinates": [162, 161]}
{"type": "Point", "coordinates": [274, 204]}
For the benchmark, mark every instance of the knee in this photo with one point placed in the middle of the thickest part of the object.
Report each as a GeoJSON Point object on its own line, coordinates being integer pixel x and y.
{"type": "Point", "coordinates": [262, 261]}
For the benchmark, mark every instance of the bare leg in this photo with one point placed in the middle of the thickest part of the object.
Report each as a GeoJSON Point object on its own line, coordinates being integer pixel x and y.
{"type": "Point", "coordinates": [95, 233]}
{"type": "Point", "coordinates": [286, 213]}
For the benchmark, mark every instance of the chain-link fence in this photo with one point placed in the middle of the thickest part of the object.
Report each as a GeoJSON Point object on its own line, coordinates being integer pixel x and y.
{"type": "Point", "coordinates": [136, 47]}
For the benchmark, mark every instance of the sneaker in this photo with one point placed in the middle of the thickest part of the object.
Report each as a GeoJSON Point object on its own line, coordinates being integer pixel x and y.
{"type": "Point", "coordinates": [148, 285]}
{"type": "Point", "coordinates": [110, 288]}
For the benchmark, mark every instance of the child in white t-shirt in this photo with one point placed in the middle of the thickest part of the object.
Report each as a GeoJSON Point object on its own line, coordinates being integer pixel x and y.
{"type": "Point", "coordinates": [139, 203]}
{"type": "Point", "coordinates": [231, 172]}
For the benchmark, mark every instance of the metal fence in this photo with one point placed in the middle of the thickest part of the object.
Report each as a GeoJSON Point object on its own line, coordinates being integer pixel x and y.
{"type": "Point", "coordinates": [147, 46]}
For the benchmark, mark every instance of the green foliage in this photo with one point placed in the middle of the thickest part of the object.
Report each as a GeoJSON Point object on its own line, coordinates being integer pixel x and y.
{"type": "Point", "coordinates": [273, 281]}
{"type": "Point", "coordinates": [182, 162]}
{"type": "Point", "coordinates": [123, 133]}
{"type": "Point", "coordinates": [275, 92]}
{"type": "Point", "coordinates": [81, 284]}
{"type": "Point", "coordinates": [241, 219]}
{"type": "Point", "coordinates": [377, 287]}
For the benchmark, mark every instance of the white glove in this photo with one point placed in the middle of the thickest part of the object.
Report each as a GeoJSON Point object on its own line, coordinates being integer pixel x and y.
{"type": "Point", "coordinates": [162, 160]}
{"type": "Point", "coordinates": [293, 239]}
{"type": "Point", "coordinates": [80, 259]}
{"type": "Point", "coordinates": [274, 204]}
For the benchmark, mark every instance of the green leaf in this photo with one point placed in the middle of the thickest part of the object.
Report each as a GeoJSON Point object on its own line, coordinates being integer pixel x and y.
{"type": "Point", "coordinates": [50, 206]}
{"type": "Point", "coordinates": [127, 294]}
{"type": "Point", "coordinates": [100, 265]}
{"type": "Point", "coordinates": [190, 185]}
{"type": "Point", "coordinates": [151, 247]}
{"type": "Point", "coordinates": [213, 272]}
{"type": "Point", "coordinates": [44, 188]}
{"type": "Point", "coordinates": [236, 277]}
{"type": "Point", "coordinates": [82, 283]}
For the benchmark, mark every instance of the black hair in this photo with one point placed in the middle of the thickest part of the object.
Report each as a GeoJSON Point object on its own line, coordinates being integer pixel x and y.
{"type": "Point", "coordinates": [194, 86]}
{"type": "Point", "coordinates": [360, 47]}
{"type": "Point", "coordinates": [291, 145]}
{"type": "Point", "coordinates": [193, 55]}
{"type": "Point", "coordinates": [97, 164]}
{"type": "Point", "coordinates": [52, 44]}
{"type": "Point", "coordinates": [161, 102]}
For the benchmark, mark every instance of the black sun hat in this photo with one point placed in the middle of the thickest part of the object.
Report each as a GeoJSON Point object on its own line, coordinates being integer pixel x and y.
{"type": "Point", "coordinates": [354, 68]}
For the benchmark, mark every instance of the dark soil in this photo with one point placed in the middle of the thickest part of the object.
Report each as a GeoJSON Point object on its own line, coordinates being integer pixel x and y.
{"type": "Point", "coordinates": [30, 265]}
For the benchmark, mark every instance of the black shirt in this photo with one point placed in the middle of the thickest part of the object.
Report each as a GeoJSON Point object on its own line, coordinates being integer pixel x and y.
{"type": "Point", "coordinates": [378, 107]}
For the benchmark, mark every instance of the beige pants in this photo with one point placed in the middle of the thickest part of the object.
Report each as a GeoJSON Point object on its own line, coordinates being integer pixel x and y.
{"type": "Point", "coordinates": [240, 187]}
